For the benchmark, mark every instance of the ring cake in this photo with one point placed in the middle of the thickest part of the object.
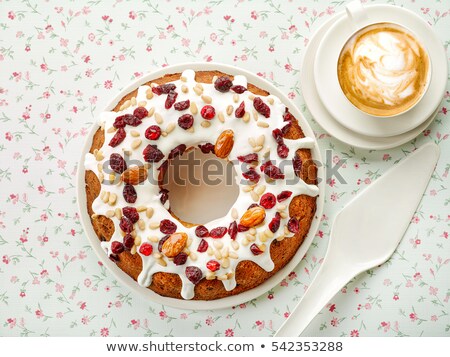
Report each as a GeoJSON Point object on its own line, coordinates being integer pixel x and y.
{"type": "Point", "coordinates": [215, 113]}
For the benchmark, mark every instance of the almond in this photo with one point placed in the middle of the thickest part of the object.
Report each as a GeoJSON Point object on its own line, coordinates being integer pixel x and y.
{"type": "Point", "coordinates": [135, 175]}
{"type": "Point", "coordinates": [174, 245]}
{"type": "Point", "coordinates": [224, 144]}
{"type": "Point", "coordinates": [253, 217]}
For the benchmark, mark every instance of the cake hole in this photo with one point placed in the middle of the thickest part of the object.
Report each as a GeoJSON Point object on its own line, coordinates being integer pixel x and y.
{"type": "Point", "coordinates": [201, 187]}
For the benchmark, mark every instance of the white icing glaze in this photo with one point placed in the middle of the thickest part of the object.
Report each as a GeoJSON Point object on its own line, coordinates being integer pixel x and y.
{"type": "Point", "coordinates": [148, 193]}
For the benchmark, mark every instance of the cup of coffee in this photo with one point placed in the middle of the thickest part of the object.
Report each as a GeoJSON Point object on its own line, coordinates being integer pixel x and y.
{"type": "Point", "coordinates": [383, 68]}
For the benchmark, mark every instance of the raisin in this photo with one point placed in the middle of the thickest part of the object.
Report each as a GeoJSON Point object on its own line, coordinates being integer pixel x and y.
{"type": "Point", "coordinates": [118, 137]}
{"type": "Point", "coordinates": [248, 158]}
{"type": "Point", "coordinates": [282, 151]}
{"type": "Point", "coordinates": [272, 171]}
{"type": "Point", "coordinates": [128, 241]}
{"type": "Point", "coordinates": [268, 200]}
{"type": "Point", "coordinates": [251, 175]}
{"type": "Point", "coordinates": [129, 193]}
{"type": "Point", "coordinates": [194, 274]}
{"type": "Point", "coordinates": [297, 164]}
{"type": "Point", "coordinates": [274, 224]}
{"type": "Point", "coordinates": [167, 226]}
{"type": "Point", "coordinates": [117, 163]}
{"type": "Point", "coordinates": [164, 196]}
{"type": "Point", "coordinates": [171, 98]}
{"type": "Point", "coordinates": [233, 230]}
{"type": "Point", "coordinates": [202, 246]}
{"type": "Point", "coordinates": [186, 121]}
{"type": "Point", "coordinates": [182, 105]}
{"type": "Point", "coordinates": [240, 111]}
{"type": "Point", "coordinates": [241, 228]}
{"type": "Point", "coordinates": [261, 107]}
{"type": "Point", "coordinates": [161, 242]}
{"type": "Point", "coordinates": [180, 259]}
{"type": "Point", "coordinates": [126, 225]}
{"type": "Point", "coordinates": [131, 120]}
{"type": "Point", "coordinates": [152, 154]}
{"type": "Point", "coordinates": [223, 84]}
{"type": "Point", "coordinates": [153, 132]}
{"type": "Point", "coordinates": [146, 249]}
{"type": "Point", "coordinates": [278, 136]}
{"type": "Point", "coordinates": [208, 112]}
{"type": "Point", "coordinates": [131, 213]}
{"type": "Point", "coordinates": [207, 148]}
{"type": "Point", "coordinates": [201, 231]}
{"type": "Point", "coordinates": [287, 116]}
{"type": "Point", "coordinates": [177, 151]}
{"type": "Point", "coordinates": [252, 205]}
{"type": "Point", "coordinates": [114, 257]}
{"type": "Point", "coordinates": [213, 265]}
{"type": "Point", "coordinates": [119, 122]}
{"type": "Point", "coordinates": [238, 89]}
{"type": "Point", "coordinates": [218, 232]}
{"type": "Point", "coordinates": [117, 247]}
{"type": "Point", "coordinates": [163, 88]}
{"type": "Point", "coordinates": [284, 195]}
{"type": "Point", "coordinates": [285, 129]}
{"type": "Point", "coordinates": [140, 112]}
{"type": "Point", "coordinates": [255, 249]}
{"type": "Point", "coordinates": [293, 225]}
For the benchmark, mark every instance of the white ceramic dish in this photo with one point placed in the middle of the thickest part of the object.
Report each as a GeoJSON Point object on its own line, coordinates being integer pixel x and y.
{"type": "Point", "coordinates": [327, 83]}
{"type": "Point", "coordinates": [326, 120]}
{"type": "Point", "coordinates": [191, 304]}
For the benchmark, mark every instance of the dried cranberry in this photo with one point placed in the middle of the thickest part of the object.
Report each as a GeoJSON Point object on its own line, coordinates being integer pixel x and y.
{"type": "Point", "coordinates": [186, 121]}
{"type": "Point", "coordinates": [241, 228]}
{"type": "Point", "coordinates": [164, 196]}
{"type": "Point", "coordinates": [297, 164]}
{"type": "Point", "coordinates": [146, 249]}
{"type": "Point", "coordinates": [140, 112]}
{"type": "Point", "coordinates": [118, 137]}
{"type": "Point", "coordinates": [282, 151]}
{"type": "Point", "coordinates": [182, 105]}
{"type": "Point", "coordinates": [171, 98]}
{"type": "Point", "coordinates": [272, 171]}
{"type": "Point", "coordinates": [180, 259]}
{"type": "Point", "coordinates": [202, 246]}
{"type": "Point", "coordinates": [119, 122]}
{"type": "Point", "coordinates": [131, 213]}
{"type": "Point", "coordinates": [252, 205]}
{"type": "Point", "coordinates": [152, 154]}
{"type": "Point", "coordinates": [128, 241]}
{"type": "Point", "coordinates": [284, 195]}
{"type": "Point", "coordinates": [248, 158]}
{"type": "Point", "coordinates": [261, 107]}
{"type": "Point", "coordinates": [278, 136]}
{"type": "Point", "coordinates": [153, 132]}
{"type": "Point", "coordinates": [240, 111]}
{"type": "Point", "coordinates": [208, 112]}
{"type": "Point", "coordinates": [177, 151]}
{"type": "Point", "coordinates": [161, 242]}
{"type": "Point", "coordinates": [194, 274]}
{"type": "Point", "coordinates": [117, 247]}
{"type": "Point", "coordinates": [233, 230]}
{"type": "Point", "coordinates": [287, 116]}
{"type": "Point", "coordinates": [268, 200]}
{"type": "Point", "coordinates": [293, 225]}
{"type": "Point", "coordinates": [167, 226]}
{"type": "Point", "coordinates": [201, 231]}
{"type": "Point", "coordinates": [286, 128]}
{"type": "Point", "coordinates": [131, 120]}
{"type": "Point", "coordinates": [117, 163]}
{"type": "Point", "coordinates": [213, 265]}
{"type": "Point", "coordinates": [126, 225]}
{"type": "Point", "coordinates": [163, 88]}
{"type": "Point", "coordinates": [238, 89]}
{"type": "Point", "coordinates": [218, 232]}
{"type": "Point", "coordinates": [255, 249]}
{"type": "Point", "coordinates": [114, 258]}
{"type": "Point", "coordinates": [207, 148]}
{"type": "Point", "coordinates": [223, 84]}
{"type": "Point", "coordinates": [129, 193]}
{"type": "Point", "coordinates": [274, 224]}
{"type": "Point", "coordinates": [251, 175]}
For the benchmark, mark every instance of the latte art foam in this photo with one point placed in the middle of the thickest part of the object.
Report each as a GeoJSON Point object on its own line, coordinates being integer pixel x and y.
{"type": "Point", "coordinates": [383, 69]}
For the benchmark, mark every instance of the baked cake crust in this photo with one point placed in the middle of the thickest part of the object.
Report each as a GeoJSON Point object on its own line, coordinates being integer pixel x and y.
{"type": "Point", "coordinates": [248, 273]}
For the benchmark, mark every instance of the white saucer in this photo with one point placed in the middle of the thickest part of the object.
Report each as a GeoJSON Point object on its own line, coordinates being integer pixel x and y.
{"type": "Point", "coordinates": [326, 79]}
{"type": "Point", "coordinates": [326, 120]}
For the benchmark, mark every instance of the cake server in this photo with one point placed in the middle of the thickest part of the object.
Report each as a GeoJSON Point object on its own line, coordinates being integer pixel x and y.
{"type": "Point", "coordinates": [366, 232]}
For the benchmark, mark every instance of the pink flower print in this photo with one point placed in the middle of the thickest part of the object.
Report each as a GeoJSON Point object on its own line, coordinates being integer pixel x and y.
{"type": "Point", "coordinates": [386, 326]}
{"type": "Point", "coordinates": [85, 320]}
{"type": "Point", "coordinates": [284, 283]}
{"type": "Point", "coordinates": [302, 9]}
{"type": "Point", "coordinates": [270, 296]}
{"type": "Point", "coordinates": [334, 322]}
{"type": "Point", "coordinates": [104, 332]}
{"type": "Point", "coordinates": [162, 315]}
{"type": "Point", "coordinates": [59, 315]}
{"type": "Point", "coordinates": [332, 307]}
{"type": "Point", "coordinates": [27, 48]}
{"type": "Point", "coordinates": [260, 325]}
{"type": "Point", "coordinates": [108, 84]}
{"type": "Point", "coordinates": [44, 67]}
{"type": "Point", "coordinates": [444, 235]}
{"type": "Point", "coordinates": [434, 318]}
{"type": "Point", "coordinates": [41, 189]}
{"type": "Point", "coordinates": [395, 297]}
{"type": "Point", "coordinates": [213, 37]}
{"type": "Point", "coordinates": [39, 314]}
{"type": "Point", "coordinates": [183, 316]}
{"type": "Point", "coordinates": [83, 305]}
{"type": "Point", "coordinates": [59, 288]}
{"type": "Point", "coordinates": [425, 10]}
{"type": "Point", "coordinates": [11, 322]}
{"type": "Point", "coordinates": [254, 15]}
{"type": "Point", "coordinates": [11, 15]}
{"type": "Point", "coordinates": [284, 36]}
{"type": "Point", "coordinates": [229, 332]}
{"type": "Point", "coordinates": [433, 291]}
{"type": "Point", "coordinates": [356, 166]}
{"type": "Point", "coordinates": [386, 157]}
{"type": "Point", "coordinates": [61, 164]}
{"type": "Point", "coordinates": [329, 10]}
{"type": "Point", "coordinates": [292, 28]}
{"type": "Point", "coordinates": [5, 259]}
{"type": "Point", "coordinates": [444, 110]}
{"type": "Point", "coordinates": [263, 34]}
{"type": "Point", "coordinates": [140, 34]}
{"type": "Point", "coordinates": [413, 316]}
{"type": "Point", "coordinates": [367, 306]}
{"type": "Point", "coordinates": [271, 48]}
{"type": "Point", "coordinates": [417, 276]}
{"type": "Point", "coordinates": [44, 273]}
{"type": "Point", "coordinates": [433, 192]}
{"type": "Point", "coordinates": [132, 15]}
{"type": "Point", "coordinates": [63, 42]}
{"type": "Point", "coordinates": [409, 284]}
{"type": "Point", "coordinates": [334, 197]}
{"type": "Point", "coordinates": [367, 181]}
{"type": "Point", "coordinates": [354, 333]}
{"type": "Point", "coordinates": [44, 217]}
{"type": "Point", "coordinates": [87, 282]}
{"type": "Point", "coordinates": [292, 275]}
{"type": "Point", "coordinates": [286, 314]}
{"type": "Point", "coordinates": [135, 323]}
{"type": "Point", "coordinates": [185, 42]}
{"type": "Point", "coordinates": [93, 99]}
{"type": "Point", "coordinates": [209, 321]}
{"type": "Point", "coordinates": [8, 136]}
{"type": "Point", "coordinates": [415, 219]}
{"type": "Point", "coordinates": [170, 28]}
{"type": "Point", "coordinates": [46, 95]}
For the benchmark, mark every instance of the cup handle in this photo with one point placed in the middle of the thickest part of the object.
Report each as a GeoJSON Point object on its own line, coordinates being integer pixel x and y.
{"type": "Point", "coordinates": [356, 13]}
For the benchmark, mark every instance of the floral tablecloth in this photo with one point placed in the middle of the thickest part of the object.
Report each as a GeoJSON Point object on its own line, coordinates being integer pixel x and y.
{"type": "Point", "coordinates": [62, 61]}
